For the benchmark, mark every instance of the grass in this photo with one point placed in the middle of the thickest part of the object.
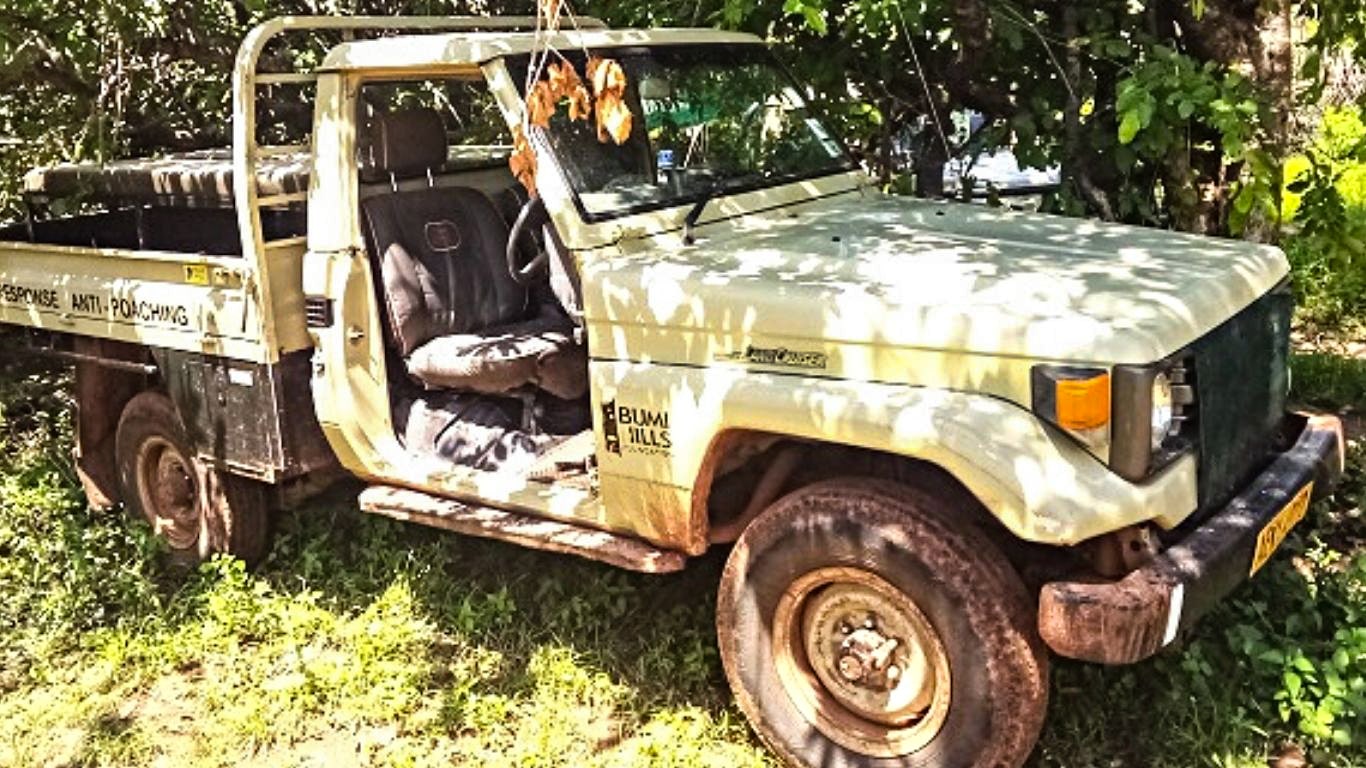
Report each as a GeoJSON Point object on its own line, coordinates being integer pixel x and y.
{"type": "Point", "coordinates": [1330, 380]}
{"type": "Point", "coordinates": [366, 642]}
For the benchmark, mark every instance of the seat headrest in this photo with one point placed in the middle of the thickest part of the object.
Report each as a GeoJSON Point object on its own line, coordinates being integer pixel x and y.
{"type": "Point", "coordinates": [405, 143]}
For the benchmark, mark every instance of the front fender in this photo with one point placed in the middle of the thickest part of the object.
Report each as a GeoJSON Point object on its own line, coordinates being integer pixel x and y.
{"type": "Point", "coordinates": [1040, 484]}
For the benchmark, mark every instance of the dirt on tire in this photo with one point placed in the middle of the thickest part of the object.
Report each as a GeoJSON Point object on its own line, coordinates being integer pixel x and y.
{"type": "Point", "coordinates": [968, 589]}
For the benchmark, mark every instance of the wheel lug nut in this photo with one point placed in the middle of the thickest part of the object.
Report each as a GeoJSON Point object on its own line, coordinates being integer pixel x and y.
{"type": "Point", "coordinates": [845, 629]}
{"type": "Point", "coordinates": [893, 672]}
{"type": "Point", "coordinates": [869, 623]}
{"type": "Point", "coordinates": [851, 669]}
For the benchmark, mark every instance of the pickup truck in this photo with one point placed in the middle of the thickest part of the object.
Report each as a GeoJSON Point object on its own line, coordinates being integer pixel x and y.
{"type": "Point", "coordinates": [941, 442]}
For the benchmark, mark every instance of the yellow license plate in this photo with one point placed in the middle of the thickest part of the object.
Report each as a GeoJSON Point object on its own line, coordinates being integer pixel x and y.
{"type": "Point", "coordinates": [1275, 531]}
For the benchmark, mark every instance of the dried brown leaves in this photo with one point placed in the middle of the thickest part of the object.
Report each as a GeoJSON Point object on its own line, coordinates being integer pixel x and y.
{"type": "Point", "coordinates": [522, 161]}
{"type": "Point", "coordinates": [609, 99]}
{"type": "Point", "coordinates": [606, 100]}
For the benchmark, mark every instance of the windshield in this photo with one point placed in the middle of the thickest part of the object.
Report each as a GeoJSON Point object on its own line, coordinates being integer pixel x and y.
{"type": "Point", "coordinates": [707, 120]}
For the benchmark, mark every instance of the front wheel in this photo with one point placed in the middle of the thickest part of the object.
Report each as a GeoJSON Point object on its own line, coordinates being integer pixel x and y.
{"type": "Point", "coordinates": [860, 626]}
{"type": "Point", "coordinates": [198, 510]}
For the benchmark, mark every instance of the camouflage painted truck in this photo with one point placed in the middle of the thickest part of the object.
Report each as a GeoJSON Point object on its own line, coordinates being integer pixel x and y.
{"type": "Point", "coordinates": [943, 442]}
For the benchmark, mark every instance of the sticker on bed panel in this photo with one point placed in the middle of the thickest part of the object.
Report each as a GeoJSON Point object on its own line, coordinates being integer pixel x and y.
{"type": "Point", "coordinates": [41, 298]}
{"type": "Point", "coordinates": [197, 274]}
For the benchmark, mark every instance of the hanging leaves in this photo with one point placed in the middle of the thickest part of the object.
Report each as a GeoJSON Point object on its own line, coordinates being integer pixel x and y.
{"type": "Point", "coordinates": [540, 104]}
{"type": "Point", "coordinates": [606, 75]}
{"type": "Point", "coordinates": [550, 11]}
{"type": "Point", "coordinates": [609, 99]}
{"type": "Point", "coordinates": [561, 77]}
{"type": "Point", "coordinates": [604, 96]}
{"type": "Point", "coordinates": [580, 103]}
{"type": "Point", "coordinates": [566, 84]}
{"type": "Point", "coordinates": [561, 83]}
{"type": "Point", "coordinates": [522, 161]}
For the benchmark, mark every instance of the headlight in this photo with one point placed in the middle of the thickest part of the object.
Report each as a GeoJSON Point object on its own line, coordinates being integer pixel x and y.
{"type": "Point", "coordinates": [1162, 410]}
{"type": "Point", "coordinates": [1150, 403]}
{"type": "Point", "coordinates": [1132, 409]}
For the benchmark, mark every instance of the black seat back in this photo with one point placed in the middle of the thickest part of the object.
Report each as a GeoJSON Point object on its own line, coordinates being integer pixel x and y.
{"type": "Point", "coordinates": [440, 252]}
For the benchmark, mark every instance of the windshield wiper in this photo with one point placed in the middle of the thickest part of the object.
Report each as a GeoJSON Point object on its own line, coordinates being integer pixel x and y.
{"type": "Point", "coordinates": [710, 192]}
{"type": "Point", "coordinates": [695, 212]}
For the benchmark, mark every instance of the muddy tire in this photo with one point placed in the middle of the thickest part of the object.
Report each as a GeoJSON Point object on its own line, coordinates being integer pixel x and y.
{"type": "Point", "coordinates": [860, 626]}
{"type": "Point", "coordinates": [196, 509]}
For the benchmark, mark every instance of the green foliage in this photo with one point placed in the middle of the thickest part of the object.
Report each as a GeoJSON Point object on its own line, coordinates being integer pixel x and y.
{"type": "Point", "coordinates": [1194, 144]}
{"type": "Point", "coordinates": [1171, 106]}
{"type": "Point", "coordinates": [104, 80]}
{"type": "Point", "coordinates": [93, 569]}
{"type": "Point", "coordinates": [1158, 112]}
{"type": "Point", "coordinates": [1333, 25]}
{"type": "Point", "coordinates": [1283, 660]}
{"type": "Point", "coordinates": [1328, 216]}
{"type": "Point", "coordinates": [1328, 381]}
{"type": "Point", "coordinates": [1302, 635]}
{"type": "Point", "coordinates": [358, 636]}
{"type": "Point", "coordinates": [408, 647]}
{"type": "Point", "coordinates": [1163, 97]}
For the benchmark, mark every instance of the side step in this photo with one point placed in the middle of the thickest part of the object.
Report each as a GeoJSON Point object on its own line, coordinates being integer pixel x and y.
{"type": "Point", "coordinates": [525, 530]}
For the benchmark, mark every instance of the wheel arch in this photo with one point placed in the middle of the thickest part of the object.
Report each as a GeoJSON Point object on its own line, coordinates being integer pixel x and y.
{"type": "Point", "coordinates": [759, 467]}
{"type": "Point", "coordinates": [251, 420]}
{"type": "Point", "coordinates": [107, 378]}
{"type": "Point", "coordinates": [1039, 484]}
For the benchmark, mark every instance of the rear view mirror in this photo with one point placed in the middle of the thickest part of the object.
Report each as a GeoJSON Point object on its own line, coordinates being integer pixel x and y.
{"type": "Point", "coordinates": [656, 89]}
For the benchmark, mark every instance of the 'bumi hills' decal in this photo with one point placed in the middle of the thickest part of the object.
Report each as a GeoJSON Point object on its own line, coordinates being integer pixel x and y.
{"type": "Point", "coordinates": [635, 430]}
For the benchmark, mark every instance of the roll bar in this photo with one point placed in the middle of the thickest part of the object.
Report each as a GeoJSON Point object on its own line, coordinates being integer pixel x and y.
{"type": "Point", "coordinates": [246, 80]}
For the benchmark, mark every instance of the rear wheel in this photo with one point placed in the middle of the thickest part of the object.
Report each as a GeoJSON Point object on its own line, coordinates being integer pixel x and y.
{"type": "Point", "coordinates": [198, 510]}
{"type": "Point", "coordinates": [860, 626]}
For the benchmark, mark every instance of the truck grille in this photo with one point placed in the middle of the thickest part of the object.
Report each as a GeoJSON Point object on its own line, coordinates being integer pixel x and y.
{"type": "Point", "coordinates": [1241, 371]}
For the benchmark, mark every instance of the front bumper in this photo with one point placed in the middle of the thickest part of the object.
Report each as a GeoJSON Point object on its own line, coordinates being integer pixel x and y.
{"type": "Point", "coordinates": [1128, 620]}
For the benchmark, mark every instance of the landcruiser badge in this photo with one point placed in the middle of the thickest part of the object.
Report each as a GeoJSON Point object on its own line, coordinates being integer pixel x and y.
{"type": "Point", "coordinates": [782, 356]}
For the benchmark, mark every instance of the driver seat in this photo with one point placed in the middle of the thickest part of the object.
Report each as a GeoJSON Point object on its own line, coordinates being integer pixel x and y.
{"type": "Point", "coordinates": [454, 313]}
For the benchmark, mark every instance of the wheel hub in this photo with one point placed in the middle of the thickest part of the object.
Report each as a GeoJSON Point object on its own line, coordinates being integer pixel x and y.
{"type": "Point", "coordinates": [866, 657]}
{"type": "Point", "coordinates": [167, 490]}
{"type": "Point", "coordinates": [861, 661]}
{"type": "Point", "coordinates": [855, 665]}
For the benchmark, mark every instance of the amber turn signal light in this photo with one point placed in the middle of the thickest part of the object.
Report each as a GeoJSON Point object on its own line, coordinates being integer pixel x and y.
{"type": "Point", "coordinates": [1076, 399]}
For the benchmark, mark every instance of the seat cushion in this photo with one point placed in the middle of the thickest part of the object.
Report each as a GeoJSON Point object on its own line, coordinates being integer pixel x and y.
{"type": "Point", "coordinates": [442, 263]}
{"type": "Point", "coordinates": [540, 352]}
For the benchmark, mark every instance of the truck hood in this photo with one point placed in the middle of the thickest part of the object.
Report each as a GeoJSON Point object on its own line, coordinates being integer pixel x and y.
{"type": "Point", "coordinates": [867, 269]}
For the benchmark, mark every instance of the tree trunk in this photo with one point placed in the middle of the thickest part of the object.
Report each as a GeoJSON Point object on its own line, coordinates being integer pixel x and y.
{"type": "Point", "coordinates": [1276, 72]}
{"type": "Point", "coordinates": [885, 143]}
{"type": "Point", "coordinates": [1253, 36]}
{"type": "Point", "coordinates": [1076, 165]}
{"type": "Point", "coordinates": [929, 169]}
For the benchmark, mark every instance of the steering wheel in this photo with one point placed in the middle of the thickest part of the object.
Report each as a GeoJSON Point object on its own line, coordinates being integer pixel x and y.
{"type": "Point", "coordinates": [532, 216]}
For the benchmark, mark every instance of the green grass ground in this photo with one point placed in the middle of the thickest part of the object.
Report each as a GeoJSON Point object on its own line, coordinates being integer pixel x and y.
{"type": "Point", "coordinates": [366, 642]}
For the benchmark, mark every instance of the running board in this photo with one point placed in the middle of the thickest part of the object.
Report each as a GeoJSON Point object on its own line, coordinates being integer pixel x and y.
{"type": "Point", "coordinates": [524, 530]}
